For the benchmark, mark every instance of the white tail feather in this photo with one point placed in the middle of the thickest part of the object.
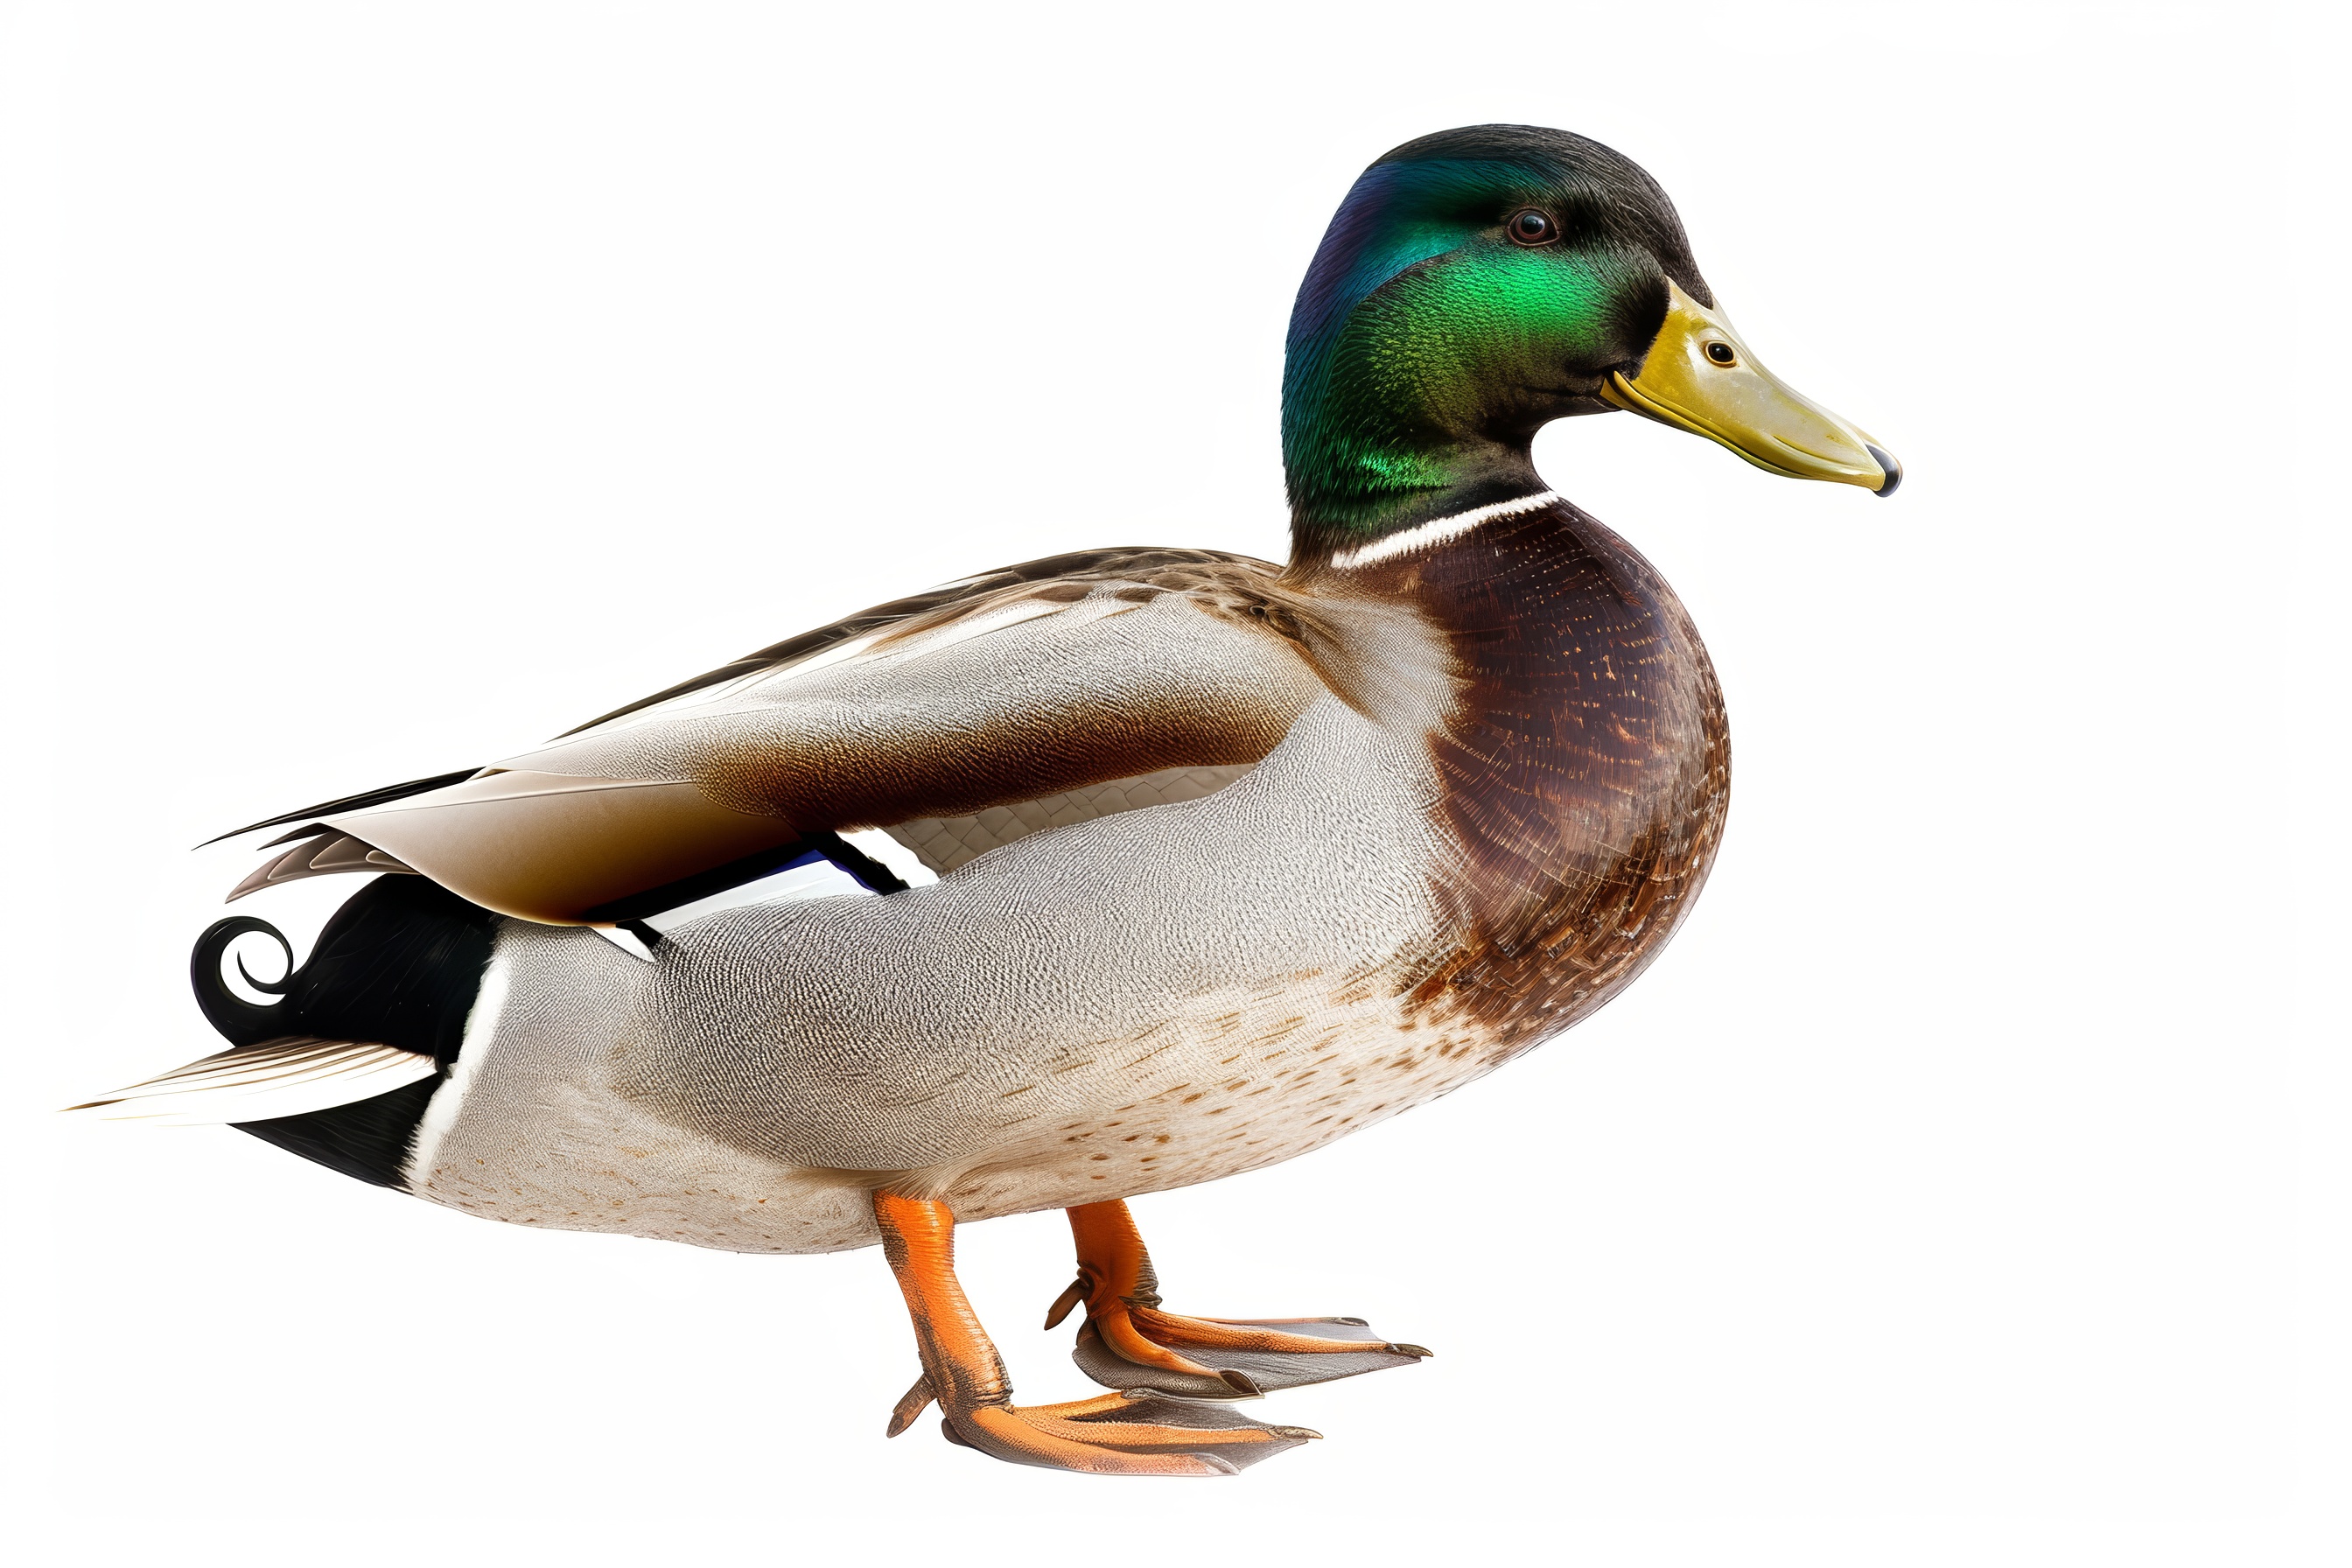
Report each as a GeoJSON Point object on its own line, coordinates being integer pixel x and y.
{"type": "Point", "coordinates": [255, 1083]}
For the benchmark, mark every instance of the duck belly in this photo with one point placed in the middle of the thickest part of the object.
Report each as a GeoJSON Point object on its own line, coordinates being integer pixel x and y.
{"type": "Point", "coordinates": [529, 1127]}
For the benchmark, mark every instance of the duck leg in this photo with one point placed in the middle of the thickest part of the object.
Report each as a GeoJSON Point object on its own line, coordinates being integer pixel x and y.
{"type": "Point", "coordinates": [1135, 1433]}
{"type": "Point", "coordinates": [1128, 1342]}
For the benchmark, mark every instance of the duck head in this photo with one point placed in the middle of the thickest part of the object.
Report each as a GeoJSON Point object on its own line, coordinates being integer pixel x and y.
{"type": "Point", "coordinates": [1478, 284]}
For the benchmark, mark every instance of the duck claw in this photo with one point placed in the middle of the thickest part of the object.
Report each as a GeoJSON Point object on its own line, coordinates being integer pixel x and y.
{"type": "Point", "coordinates": [1070, 1297]}
{"type": "Point", "coordinates": [911, 1404]}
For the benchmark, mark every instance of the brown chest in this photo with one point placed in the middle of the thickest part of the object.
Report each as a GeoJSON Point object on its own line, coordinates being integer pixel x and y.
{"type": "Point", "coordinates": [1584, 771]}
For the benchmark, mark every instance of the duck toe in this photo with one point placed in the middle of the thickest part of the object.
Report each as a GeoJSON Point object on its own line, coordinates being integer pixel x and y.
{"type": "Point", "coordinates": [1136, 1432]}
{"type": "Point", "coordinates": [1230, 1358]}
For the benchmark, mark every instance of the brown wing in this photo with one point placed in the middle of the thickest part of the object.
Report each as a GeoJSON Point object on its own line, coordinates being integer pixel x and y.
{"type": "Point", "coordinates": [1040, 681]}
{"type": "Point", "coordinates": [1142, 562]}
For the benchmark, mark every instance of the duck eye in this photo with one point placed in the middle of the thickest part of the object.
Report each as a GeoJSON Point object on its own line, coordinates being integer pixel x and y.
{"type": "Point", "coordinates": [1720, 352]}
{"type": "Point", "coordinates": [1530, 227]}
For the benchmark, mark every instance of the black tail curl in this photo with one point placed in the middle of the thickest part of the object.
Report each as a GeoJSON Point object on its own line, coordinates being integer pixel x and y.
{"type": "Point", "coordinates": [399, 964]}
{"type": "Point", "coordinates": [240, 1022]}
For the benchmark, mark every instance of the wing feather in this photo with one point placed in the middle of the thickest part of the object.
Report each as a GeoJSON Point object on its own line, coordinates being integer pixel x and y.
{"type": "Point", "coordinates": [1046, 680]}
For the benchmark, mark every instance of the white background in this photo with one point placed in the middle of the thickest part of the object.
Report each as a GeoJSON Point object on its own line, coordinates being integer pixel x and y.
{"type": "Point", "coordinates": [394, 385]}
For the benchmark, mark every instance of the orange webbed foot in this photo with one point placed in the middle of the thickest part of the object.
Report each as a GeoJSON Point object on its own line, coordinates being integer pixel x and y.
{"type": "Point", "coordinates": [1128, 1342]}
{"type": "Point", "coordinates": [1136, 1432]}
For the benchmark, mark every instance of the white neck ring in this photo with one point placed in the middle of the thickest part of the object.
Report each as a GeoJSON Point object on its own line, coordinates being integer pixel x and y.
{"type": "Point", "coordinates": [1438, 531]}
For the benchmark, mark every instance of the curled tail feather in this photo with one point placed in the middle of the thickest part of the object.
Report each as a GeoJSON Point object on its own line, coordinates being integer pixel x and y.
{"type": "Point", "coordinates": [340, 1067]}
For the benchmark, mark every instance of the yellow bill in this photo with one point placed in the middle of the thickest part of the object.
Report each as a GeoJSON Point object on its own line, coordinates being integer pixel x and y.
{"type": "Point", "coordinates": [1701, 378]}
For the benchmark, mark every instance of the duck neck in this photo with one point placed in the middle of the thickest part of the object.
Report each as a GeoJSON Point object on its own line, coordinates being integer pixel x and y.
{"type": "Point", "coordinates": [1375, 444]}
{"type": "Point", "coordinates": [1352, 488]}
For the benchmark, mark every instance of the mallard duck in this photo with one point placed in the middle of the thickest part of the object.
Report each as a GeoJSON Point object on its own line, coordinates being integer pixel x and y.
{"type": "Point", "coordinates": [1089, 878]}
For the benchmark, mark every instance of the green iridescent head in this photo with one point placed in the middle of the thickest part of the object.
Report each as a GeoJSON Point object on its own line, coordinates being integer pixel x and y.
{"type": "Point", "coordinates": [1474, 286]}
